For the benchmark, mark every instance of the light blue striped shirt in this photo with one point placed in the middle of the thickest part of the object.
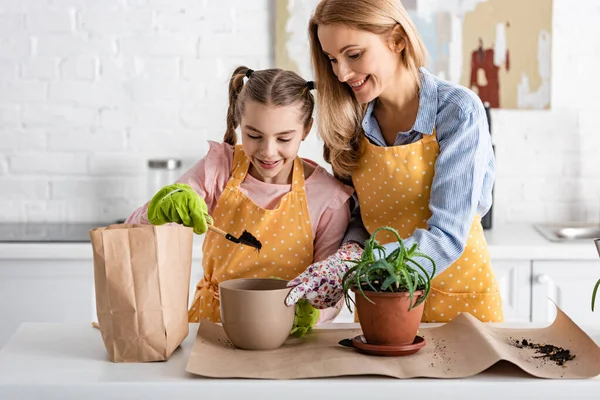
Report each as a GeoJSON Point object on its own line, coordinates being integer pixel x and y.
{"type": "Point", "coordinates": [464, 170]}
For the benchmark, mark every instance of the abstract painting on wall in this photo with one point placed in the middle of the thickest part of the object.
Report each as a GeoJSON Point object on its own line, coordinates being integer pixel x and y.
{"type": "Point", "coordinates": [501, 49]}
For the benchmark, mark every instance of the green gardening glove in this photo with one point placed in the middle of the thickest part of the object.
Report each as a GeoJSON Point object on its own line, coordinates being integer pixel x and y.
{"type": "Point", "coordinates": [305, 319]}
{"type": "Point", "coordinates": [179, 203]}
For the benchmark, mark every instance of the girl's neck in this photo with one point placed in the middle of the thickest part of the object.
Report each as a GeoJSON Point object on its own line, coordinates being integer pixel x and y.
{"type": "Point", "coordinates": [308, 171]}
{"type": "Point", "coordinates": [283, 178]}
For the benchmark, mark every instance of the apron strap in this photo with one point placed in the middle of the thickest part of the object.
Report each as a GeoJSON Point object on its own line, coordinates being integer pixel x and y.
{"type": "Point", "coordinates": [210, 286]}
{"type": "Point", "coordinates": [430, 138]}
{"type": "Point", "coordinates": [240, 167]}
{"type": "Point", "coordinates": [298, 175]}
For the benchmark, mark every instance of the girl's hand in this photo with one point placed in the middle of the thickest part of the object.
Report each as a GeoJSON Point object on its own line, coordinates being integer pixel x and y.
{"type": "Point", "coordinates": [321, 283]}
{"type": "Point", "coordinates": [305, 319]}
{"type": "Point", "coordinates": [179, 203]}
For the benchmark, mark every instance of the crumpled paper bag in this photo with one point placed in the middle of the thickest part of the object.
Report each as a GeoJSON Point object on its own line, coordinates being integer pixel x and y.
{"type": "Point", "coordinates": [141, 277]}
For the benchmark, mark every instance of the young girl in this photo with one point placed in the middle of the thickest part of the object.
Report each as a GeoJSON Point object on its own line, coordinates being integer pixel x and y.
{"type": "Point", "coordinates": [295, 208]}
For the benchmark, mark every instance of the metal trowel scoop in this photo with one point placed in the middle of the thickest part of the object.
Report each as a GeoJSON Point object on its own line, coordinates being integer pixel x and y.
{"type": "Point", "coordinates": [245, 238]}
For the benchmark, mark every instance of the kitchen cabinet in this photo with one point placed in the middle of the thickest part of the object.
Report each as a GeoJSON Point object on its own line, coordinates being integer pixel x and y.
{"type": "Point", "coordinates": [52, 291]}
{"type": "Point", "coordinates": [53, 282]}
{"type": "Point", "coordinates": [63, 291]}
{"type": "Point", "coordinates": [567, 283]}
{"type": "Point", "coordinates": [44, 291]}
{"type": "Point", "coordinates": [514, 279]}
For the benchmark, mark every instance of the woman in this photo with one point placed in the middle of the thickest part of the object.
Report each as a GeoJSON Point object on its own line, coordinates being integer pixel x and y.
{"type": "Point", "coordinates": [417, 150]}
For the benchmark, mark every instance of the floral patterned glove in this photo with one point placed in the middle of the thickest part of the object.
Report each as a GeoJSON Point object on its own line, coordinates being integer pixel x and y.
{"type": "Point", "coordinates": [321, 283]}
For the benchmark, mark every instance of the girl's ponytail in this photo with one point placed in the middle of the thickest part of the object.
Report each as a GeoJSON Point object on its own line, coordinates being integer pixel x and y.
{"type": "Point", "coordinates": [236, 84]}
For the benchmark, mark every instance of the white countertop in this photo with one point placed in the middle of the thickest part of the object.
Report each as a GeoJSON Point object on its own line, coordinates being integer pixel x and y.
{"type": "Point", "coordinates": [68, 361]}
{"type": "Point", "coordinates": [506, 242]}
{"type": "Point", "coordinates": [523, 242]}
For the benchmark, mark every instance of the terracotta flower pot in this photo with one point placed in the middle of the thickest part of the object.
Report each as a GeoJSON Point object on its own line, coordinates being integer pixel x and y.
{"type": "Point", "coordinates": [388, 321]}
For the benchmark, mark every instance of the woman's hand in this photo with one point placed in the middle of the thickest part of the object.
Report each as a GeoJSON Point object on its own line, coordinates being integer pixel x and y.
{"type": "Point", "coordinates": [321, 282]}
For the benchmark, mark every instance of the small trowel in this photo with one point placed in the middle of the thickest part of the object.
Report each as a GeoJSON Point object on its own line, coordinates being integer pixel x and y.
{"type": "Point", "coordinates": [245, 238]}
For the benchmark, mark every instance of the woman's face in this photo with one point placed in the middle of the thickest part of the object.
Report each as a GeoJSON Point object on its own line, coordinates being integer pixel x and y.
{"type": "Point", "coordinates": [367, 62]}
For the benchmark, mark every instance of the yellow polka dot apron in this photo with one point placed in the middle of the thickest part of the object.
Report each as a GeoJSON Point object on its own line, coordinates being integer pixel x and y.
{"type": "Point", "coordinates": [285, 233]}
{"type": "Point", "coordinates": [393, 186]}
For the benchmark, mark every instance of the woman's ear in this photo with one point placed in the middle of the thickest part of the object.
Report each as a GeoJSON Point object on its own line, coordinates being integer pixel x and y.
{"type": "Point", "coordinates": [396, 39]}
{"type": "Point", "coordinates": [307, 128]}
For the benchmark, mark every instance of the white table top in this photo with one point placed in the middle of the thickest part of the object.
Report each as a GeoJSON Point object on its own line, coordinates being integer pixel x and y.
{"type": "Point", "coordinates": [68, 361]}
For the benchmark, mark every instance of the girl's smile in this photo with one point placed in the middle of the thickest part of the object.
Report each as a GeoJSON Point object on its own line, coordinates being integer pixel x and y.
{"type": "Point", "coordinates": [268, 164]}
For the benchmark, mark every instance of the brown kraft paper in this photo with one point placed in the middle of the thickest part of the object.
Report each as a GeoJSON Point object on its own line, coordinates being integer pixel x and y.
{"type": "Point", "coordinates": [141, 276]}
{"type": "Point", "coordinates": [461, 348]}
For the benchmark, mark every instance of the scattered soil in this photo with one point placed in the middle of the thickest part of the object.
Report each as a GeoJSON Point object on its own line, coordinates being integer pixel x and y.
{"type": "Point", "coordinates": [548, 351]}
{"type": "Point", "coordinates": [226, 343]}
{"type": "Point", "coordinates": [441, 360]}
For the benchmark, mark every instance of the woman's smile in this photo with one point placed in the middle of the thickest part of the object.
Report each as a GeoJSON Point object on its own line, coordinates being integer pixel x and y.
{"type": "Point", "coordinates": [358, 85]}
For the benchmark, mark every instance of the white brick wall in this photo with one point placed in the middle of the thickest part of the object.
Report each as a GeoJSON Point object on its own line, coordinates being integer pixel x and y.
{"type": "Point", "coordinates": [548, 163]}
{"type": "Point", "coordinates": [89, 90]}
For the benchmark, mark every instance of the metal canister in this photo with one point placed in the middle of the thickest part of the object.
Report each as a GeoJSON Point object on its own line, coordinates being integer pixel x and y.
{"type": "Point", "coordinates": [162, 172]}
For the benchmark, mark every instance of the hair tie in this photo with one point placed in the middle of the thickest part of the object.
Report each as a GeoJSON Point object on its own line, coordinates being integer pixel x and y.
{"type": "Point", "coordinates": [310, 85]}
{"type": "Point", "coordinates": [249, 72]}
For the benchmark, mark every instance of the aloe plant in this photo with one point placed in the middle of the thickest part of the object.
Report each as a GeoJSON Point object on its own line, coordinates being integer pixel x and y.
{"type": "Point", "coordinates": [394, 272]}
{"type": "Point", "coordinates": [594, 293]}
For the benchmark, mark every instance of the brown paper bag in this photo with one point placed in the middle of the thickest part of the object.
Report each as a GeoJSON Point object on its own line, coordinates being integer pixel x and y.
{"type": "Point", "coordinates": [142, 280]}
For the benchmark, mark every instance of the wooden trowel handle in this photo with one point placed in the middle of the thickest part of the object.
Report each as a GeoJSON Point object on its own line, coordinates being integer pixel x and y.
{"type": "Point", "coordinates": [217, 230]}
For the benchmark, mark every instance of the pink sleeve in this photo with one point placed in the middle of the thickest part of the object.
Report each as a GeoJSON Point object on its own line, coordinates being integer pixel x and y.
{"type": "Point", "coordinates": [207, 177]}
{"type": "Point", "coordinates": [139, 216]}
{"type": "Point", "coordinates": [330, 231]}
{"type": "Point", "coordinates": [329, 314]}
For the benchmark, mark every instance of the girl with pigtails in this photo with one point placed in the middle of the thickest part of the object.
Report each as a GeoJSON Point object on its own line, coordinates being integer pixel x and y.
{"type": "Point", "coordinates": [297, 210]}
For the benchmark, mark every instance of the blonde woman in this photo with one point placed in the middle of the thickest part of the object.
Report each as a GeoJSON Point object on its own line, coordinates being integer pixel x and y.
{"type": "Point", "coordinates": [417, 150]}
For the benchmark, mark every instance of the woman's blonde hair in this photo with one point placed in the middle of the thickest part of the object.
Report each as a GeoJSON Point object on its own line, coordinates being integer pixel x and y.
{"type": "Point", "coordinates": [339, 114]}
{"type": "Point", "coordinates": [271, 87]}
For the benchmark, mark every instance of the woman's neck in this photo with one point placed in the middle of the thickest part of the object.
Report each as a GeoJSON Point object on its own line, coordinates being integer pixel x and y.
{"type": "Point", "coordinates": [401, 93]}
{"type": "Point", "coordinates": [396, 109]}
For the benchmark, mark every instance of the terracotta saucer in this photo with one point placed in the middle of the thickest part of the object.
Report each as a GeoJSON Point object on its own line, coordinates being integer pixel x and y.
{"type": "Point", "coordinates": [361, 344]}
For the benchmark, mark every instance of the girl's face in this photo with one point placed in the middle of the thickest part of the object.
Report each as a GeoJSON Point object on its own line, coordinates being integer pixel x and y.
{"type": "Point", "coordinates": [271, 137]}
{"type": "Point", "coordinates": [367, 62]}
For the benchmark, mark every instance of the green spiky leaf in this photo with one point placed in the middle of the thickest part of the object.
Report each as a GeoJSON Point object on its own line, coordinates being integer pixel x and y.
{"type": "Point", "coordinates": [594, 293]}
{"type": "Point", "coordinates": [398, 271]}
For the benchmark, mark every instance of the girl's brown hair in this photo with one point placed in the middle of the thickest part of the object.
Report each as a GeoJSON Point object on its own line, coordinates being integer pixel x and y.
{"type": "Point", "coordinates": [272, 87]}
{"type": "Point", "coordinates": [339, 114]}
